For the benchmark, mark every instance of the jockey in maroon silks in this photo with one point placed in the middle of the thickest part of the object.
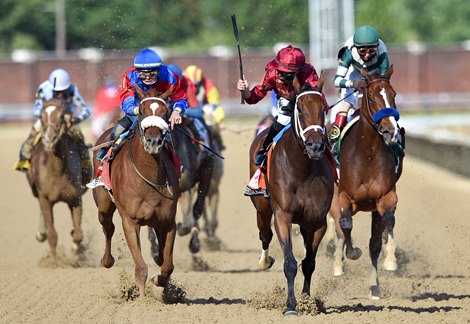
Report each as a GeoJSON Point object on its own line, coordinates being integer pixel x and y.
{"type": "Point", "coordinates": [279, 76]}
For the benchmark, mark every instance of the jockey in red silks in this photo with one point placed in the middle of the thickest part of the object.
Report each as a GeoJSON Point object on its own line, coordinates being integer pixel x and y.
{"type": "Point", "coordinates": [280, 73]}
{"type": "Point", "coordinates": [148, 72]}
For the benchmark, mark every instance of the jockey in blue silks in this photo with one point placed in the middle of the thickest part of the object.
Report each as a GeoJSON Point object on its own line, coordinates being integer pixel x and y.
{"type": "Point", "coordinates": [148, 72]}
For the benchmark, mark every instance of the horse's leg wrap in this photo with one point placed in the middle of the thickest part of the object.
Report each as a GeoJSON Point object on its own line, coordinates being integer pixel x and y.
{"type": "Point", "coordinates": [345, 223]}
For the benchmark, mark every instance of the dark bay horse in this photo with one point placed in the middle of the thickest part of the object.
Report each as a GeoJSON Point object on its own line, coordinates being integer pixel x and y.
{"type": "Point", "coordinates": [300, 182]}
{"type": "Point", "coordinates": [55, 174]}
{"type": "Point", "coordinates": [370, 166]}
{"type": "Point", "coordinates": [145, 189]}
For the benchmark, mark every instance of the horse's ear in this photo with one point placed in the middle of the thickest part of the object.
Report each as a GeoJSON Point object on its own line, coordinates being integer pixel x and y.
{"type": "Point", "coordinates": [365, 75]}
{"type": "Point", "coordinates": [140, 92]}
{"type": "Point", "coordinates": [167, 93]}
{"type": "Point", "coordinates": [321, 80]}
{"type": "Point", "coordinates": [296, 85]}
{"type": "Point", "coordinates": [390, 72]}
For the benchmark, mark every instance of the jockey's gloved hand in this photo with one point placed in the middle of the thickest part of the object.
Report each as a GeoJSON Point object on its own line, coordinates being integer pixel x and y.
{"type": "Point", "coordinates": [359, 84]}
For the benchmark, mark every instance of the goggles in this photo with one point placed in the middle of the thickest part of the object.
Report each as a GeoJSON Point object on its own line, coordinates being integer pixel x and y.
{"type": "Point", "coordinates": [367, 50]}
{"type": "Point", "coordinates": [147, 74]}
{"type": "Point", "coordinates": [286, 77]}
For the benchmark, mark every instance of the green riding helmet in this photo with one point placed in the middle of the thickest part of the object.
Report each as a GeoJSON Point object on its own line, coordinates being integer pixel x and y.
{"type": "Point", "coordinates": [366, 36]}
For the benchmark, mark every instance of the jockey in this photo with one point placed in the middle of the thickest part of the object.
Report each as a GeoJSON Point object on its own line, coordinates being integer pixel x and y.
{"type": "Point", "coordinates": [279, 76]}
{"type": "Point", "coordinates": [59, 86]}
{"type": "Point", "coordinates": [148, 72]}
{"type": "Point", "coordinates": [208, 95]}
{"type": "Point", "coordinates": [364, 50]}
{"type": "Point", "coordinates": [194, 112]}
{"type": "Point", "coordinates": [107, 104]}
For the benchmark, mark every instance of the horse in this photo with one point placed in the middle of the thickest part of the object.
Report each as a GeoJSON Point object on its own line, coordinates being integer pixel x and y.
{"type": "Point", "coordinates": [300, 181]}
{"type": "Point", "coordinates": [369, 170]}
{"type": "Point", "coordinates": [145, 189]}
{"type": "Point", "coordinates": [56, 176]}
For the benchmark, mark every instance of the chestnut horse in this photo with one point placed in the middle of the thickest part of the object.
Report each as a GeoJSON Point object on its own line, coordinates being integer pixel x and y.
{"type": "Point", "coordinates": [300, 182]}
{"type": "Point", "coordinates": [370, 166]}
{"type": "Point", "coordinates": [55, 174]}
{"type": "Point", "coordinates": [145, 189]}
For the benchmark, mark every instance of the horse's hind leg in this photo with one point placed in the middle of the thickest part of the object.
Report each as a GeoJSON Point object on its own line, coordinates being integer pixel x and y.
{"type": "Point", "coordinates": [46, 210]}
{"type": "Point", "coordinates": [185, 201]}
{"type": "Point", "coordinates": [154, 246]}
{"type": "Point", "coordinates": [263, 220]}
{"type": "Point", "coordinates": [375, 246]}
{"type": "Point", "coordinates": [131, 233]}
{"type": "Point", "coordinates": [77, 233]}
{"type": "Point", "coordinates": [166, 239]}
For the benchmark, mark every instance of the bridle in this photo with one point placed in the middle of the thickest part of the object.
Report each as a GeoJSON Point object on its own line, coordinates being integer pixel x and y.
{"type": "Point", "coordinates": [298, 129]}
{"type": "Point", "coordinates": [58, 127]}
{"type": "Point", "coordinates": [375, 118]}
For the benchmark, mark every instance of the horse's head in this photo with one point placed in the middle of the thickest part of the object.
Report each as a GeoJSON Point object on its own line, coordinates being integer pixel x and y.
{"type": "Point", "coordinates": [308, 120]}
{"type": "Point", "coordinates": [53, 124]}
{"type": "Point", "coordinates": [378, 106]}
{"type": "Point", "coordinates": [153, 115]}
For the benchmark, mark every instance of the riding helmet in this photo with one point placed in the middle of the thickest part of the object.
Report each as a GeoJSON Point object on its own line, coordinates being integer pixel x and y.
{"type": "Point", "coordinates": [60, 80]}
{"type": "Point", "coordinates": [366, 36]}
{"type": "Point", "coordinates": [289, 59]}
{"type": "Point", "coordinates": [147, 60]}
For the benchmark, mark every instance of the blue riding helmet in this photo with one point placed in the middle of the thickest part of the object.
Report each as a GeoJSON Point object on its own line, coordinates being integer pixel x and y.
{"type": "Point", "coordinates": [175, 68]}
{"type": "Point", "coordinates": [147, 59]}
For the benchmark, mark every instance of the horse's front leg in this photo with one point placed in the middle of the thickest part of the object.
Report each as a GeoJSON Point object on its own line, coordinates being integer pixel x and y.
{"type": "Point", "coordinates": [154, 246]}
{"type": "Point", "coordinates": [346, 225]}
{"type": "Point", "coordinates": [77, 233]}
{"type": "Point", "coordinates": [41, 235]}
{"type": "Point", "coordinates": [375, 246]}
{"type": "Point", "coordinates": [131, 233]}
{"type": "Point", "coordinates": [283, 226]}
{"type": "Point", "coordinates": [263, 219]}
{"type": "Point", "coordinates": [311, 243]}
{"type": "Point", "coordinates": [106, 210]}
{"type": "Point", "coordinates": [166, 238]}
{"type": "Point", "coordinates": [185, 201]}
{"type": "Point", "coordinates": [386, 207]}
{"type": "Point", "coordinates": [46, 211]}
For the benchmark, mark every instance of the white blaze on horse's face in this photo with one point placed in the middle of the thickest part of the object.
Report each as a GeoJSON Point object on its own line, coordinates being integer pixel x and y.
{"type": "Point", "coordinates": [384, 95]}
{"type": "Point", "coordinates": [153, 120]}
{"type": "Point", "coordinates": [392, 119]}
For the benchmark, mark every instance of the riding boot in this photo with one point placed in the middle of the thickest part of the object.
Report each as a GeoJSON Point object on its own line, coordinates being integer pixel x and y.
{"type": "Point", "coordinates": [122, 125]}
{"type": "Point", "coordinates": [260, 159]}
{"type": "Point", "coordinates": [340, 121]}
{"type": "Point", "coordinates": [24, 161]}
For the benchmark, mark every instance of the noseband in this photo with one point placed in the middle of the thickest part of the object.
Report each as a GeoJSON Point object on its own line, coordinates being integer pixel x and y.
{"type": "Point", "coordinates": [300, 132]}
{"type": "Point", "coordinates": [151, 121]}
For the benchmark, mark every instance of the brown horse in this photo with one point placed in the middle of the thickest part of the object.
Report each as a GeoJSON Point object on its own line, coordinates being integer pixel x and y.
{"type": "Point", "coordinates": [55, 174]}
{"type": "Point", "coordinates": [145, 188]}
{"type": "Point", "coordinates": [370, 166]}
{"type": "Point", "coordinates": [300, 182]}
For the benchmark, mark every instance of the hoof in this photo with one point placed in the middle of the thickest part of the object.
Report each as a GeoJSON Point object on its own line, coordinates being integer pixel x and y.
{"type": "Point", "coordinates": [374, 293]}
{"type": "Point", "coordinates": [267, 265]}
{"type": "Point", "coordinates": [338, 271]}
{"type": "Point", "coordinates": [41, 237]}
{"type": "Point", "coordinates": [292, 312]}
{"type": "Point", "coordinates": [194, 244]}
{"type": "Point", "coordinates": [183, 230]}
{"type": "Point", "coordinates": [355, 255]}
{"type": "Point", "coordinates": [390, 265]}
{"type": "Point", "coordinates": [107, 263]}
{"type": "Point", "coordinates": [159, 280]}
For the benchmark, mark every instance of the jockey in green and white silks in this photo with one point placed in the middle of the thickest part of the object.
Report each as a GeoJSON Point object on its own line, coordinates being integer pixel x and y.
{"type": "Point", "coordinates": [364, 50]}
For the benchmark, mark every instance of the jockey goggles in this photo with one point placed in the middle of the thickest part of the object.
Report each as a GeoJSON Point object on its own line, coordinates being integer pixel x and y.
{"type": "Point", "coordinates": [367, 50]}
{"type": "Point", "coordinates": [147, 74]}
{"type": "Point", "coordinates": [286, 77]}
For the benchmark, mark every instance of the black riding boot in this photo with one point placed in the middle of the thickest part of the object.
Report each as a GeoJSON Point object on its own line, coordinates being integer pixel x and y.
{"type": "Point", "coordinates": [260, 159]}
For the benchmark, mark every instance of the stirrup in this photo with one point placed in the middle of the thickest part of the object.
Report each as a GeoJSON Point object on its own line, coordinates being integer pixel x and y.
{"type": "Point", "coordinates": [22, 165]}
{"type": "Point", "coordinates": [95, 183]}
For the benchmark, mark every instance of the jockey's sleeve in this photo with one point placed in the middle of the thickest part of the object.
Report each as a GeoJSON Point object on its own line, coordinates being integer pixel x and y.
{"type": "Point", "coordinates": [384, 64]}
{"type": "Point", "coordinates": [180, 105]}
{"type": "Point", "coordinates": [79, 105]}
{"type": "Point", "coordinates": [344, 63]}
{"type": "Point", "coordinates": [212, 94]}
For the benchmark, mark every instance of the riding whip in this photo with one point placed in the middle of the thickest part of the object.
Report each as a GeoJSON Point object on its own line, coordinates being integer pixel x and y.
{"type": "Point", "coordinates": [199, 142]}
{"type": "Point", "coordinates": [235, 32]}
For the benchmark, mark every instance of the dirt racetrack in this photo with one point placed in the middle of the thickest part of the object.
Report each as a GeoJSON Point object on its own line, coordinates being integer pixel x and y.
{"type": "Point", "coordinates": [431, 285]}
